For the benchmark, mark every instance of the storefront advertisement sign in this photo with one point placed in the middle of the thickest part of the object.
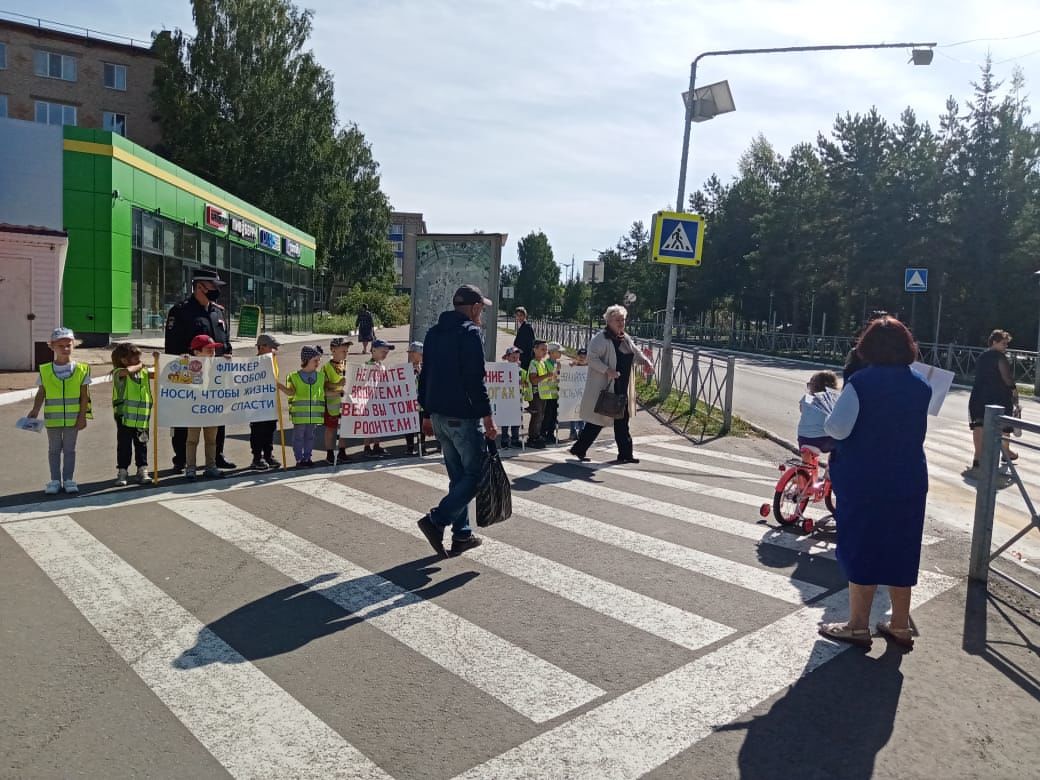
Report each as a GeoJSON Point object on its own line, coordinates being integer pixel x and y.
{"type": "Point", "coordinates": [503, 385]}
{"type": "Point", "coordinates": [291, 248]}
{"type": "Point", "coordinates": [572, 387]}
{"type": "Point", "coordinates": [198, 391]}
{"type": "Point", "coordinates": [379, 402]}
{"type": "Point", "coordinates": [270, 240]}
{"type": "Point", "coordinates": [217, 218]}
{"type": "Point", "coordinates": [247, 231]}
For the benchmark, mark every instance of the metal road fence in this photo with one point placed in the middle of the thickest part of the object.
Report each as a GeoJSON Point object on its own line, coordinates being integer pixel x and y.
{"type": "Point", "coordinates": [982, 552]}
{"type": "Point", "coordinates": [831, 349]}
{"type": "Point", "coordinates": [701, 403]}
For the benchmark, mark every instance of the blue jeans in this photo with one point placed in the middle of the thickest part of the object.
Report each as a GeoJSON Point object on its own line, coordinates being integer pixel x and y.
{"type": "Point", "coordinates": [463, 446]}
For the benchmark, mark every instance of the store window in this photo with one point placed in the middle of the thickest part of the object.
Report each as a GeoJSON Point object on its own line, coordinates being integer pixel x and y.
{"type": "Point", "coordinates": [3, 105]}
{"type": "Point", "coordinates": [55, 113]}
{"type": "Point", "coordinates": [113, 122]}
{"type": "Point", "coordinates": [50, 65]}
{"type": "Point", "coordinates": [3, 55]}
{"type": "Point", "coordinates": [115, 76]}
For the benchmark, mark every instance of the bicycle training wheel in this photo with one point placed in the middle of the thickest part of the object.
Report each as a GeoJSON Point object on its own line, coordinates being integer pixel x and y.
{"type": "Point", "coordinates": [830, 499]}
{"type": "Point", "coordinates": [789, 501]}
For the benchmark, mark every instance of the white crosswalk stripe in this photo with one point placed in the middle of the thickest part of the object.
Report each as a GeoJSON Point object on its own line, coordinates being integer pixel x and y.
{"type": "Point", "coordinates": [650, 615]}
{"type": "Point", "coordinates": [515, 677]}
{"type": "Point", "coordinates": [246, 721]}
{"type": "Point", "coordinates": [256, 723]}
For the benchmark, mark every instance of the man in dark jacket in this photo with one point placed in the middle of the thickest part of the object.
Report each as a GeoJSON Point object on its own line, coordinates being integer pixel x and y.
{"type": "Point", "coordinates": [454, 399]}
{"type": "Point", "coordinates": [194, 316]}
{"type": "Point", "coordinates": [524, 340]}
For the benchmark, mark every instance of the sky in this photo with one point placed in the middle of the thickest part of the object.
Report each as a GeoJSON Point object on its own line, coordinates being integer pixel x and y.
{"type": "Point", "coordinates": [565, 115]}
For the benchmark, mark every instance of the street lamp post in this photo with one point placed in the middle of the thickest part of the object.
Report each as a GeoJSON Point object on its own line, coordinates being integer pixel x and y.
{"type": "Point", "coordinates": [921, 55]}
{"type": "Point", "coordinates": [1036, 362]}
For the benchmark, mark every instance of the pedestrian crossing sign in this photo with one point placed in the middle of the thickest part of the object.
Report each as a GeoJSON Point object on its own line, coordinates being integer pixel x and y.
{"type": "Point", "coordinates": [677, 238]}
{"type": "Point", "coordinates": [915, 280]}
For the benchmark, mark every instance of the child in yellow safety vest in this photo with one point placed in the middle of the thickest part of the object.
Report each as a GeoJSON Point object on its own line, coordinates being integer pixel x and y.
{"type": "Point", "coordinates": [132, 408]}
{"type": "Point", "coordinates": [202, 346]}
{"type": "Point", "coordinates": [549, 390]}
{"type": "Point", "coordinates": [537, 372]}
{"type": "Point", "coordinates": [306, 392]}
{"type": "Point", "coordinates": [511, 433]}
{"type": "Point", "coordinates": [261, 432]}
{"type": "Point", "coordinates": [415, 351]}
{"type": "Point", "coordinates": [334, 374]}
{"type": "Point", "coordinates": [65, 400]}
{"type": "Point", "coordinates": [380, 351]}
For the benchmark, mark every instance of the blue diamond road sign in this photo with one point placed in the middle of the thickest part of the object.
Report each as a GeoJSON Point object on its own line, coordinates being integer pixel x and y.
{"type": "Point", "coordinates": [915, 280]}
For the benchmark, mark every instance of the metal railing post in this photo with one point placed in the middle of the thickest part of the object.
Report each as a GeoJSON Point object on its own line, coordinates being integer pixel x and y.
{"type": "Point", "coordinates": [986, 496]}
{"type": "Point", "coordinates": [695, 378]}
{"type": "Point", "coordinates": [727, 411]}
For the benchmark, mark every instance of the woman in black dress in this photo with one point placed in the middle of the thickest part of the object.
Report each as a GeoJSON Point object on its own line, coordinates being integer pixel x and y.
{"type": "Point", "coordinates": [366, 329]}
{"type": "Point", "coordinates": [994, 384]}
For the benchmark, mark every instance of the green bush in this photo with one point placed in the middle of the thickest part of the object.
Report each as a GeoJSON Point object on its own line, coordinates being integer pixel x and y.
{"type": "Point", "coordinates": [333, 323]}
{"type": "Point", "coordinates": [387, 310]}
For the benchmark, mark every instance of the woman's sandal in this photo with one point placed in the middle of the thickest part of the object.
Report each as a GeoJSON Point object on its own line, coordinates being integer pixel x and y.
{"type": "Point", "coordinates": [903, 637]}
{"type": "Point", "coordinates": [842, 633]}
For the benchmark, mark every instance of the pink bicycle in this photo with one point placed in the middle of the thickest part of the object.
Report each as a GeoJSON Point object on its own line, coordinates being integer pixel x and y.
{"type": "Point", "coordinates": [804, 481]}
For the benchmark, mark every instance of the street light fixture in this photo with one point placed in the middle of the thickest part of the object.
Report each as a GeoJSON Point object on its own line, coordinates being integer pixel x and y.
{"type": "Point", "coordinates": [718, 100]}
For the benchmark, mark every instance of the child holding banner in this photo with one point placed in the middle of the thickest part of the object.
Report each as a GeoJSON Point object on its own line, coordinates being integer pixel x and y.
{"type": "Point", "coordinates": [380, 351]}
{"type": "Point", "coordinates": [132, 408]}
{"type": "Point", "coordinates": [511, 433]}
{"type": "Point", "coordinates": [261, 432]}
{"type": "Point", "coordinates": [415, 352]}
{"type": "Point", "coordinates": [334, 375]}
{"type": "Point", "coordinates": [537, 372]}
{"type": "Point", "coordinates": [306, 404]}
{"type": "Point", "coordinates": [582, 359]}
{"type": "Point", "coordinates": [65, 399]}
{"type": "Point", "coordinates": [202, 346]}
{"type": "Point", "coordinates": [549, 389]}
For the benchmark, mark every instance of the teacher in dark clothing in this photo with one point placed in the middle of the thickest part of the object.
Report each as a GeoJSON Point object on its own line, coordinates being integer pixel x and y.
{"type": "Point", "coordinates": [454, 400]}
{"type": "Point", "coordinates": [197, 315]}
{"type": "Point", "coordinates": [524, 340]}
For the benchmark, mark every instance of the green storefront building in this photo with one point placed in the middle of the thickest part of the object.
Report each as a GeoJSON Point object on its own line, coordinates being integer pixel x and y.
{"type": "Point", "coordinates": [139, 227]}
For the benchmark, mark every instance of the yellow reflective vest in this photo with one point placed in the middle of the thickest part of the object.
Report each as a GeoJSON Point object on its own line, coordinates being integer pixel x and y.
{"type": "Point", "coordinates": [61, 396]}
{"type": "Point", "coordinates": [526, 391]}
{"type": "Point", "coordinates": [549, 388]}
{"type": "Point", "coordinates": [132, 399]}
{"type": "Point", "coordinates": [333, 398]}
{"type": "Point", "coordinates": [307, 402]}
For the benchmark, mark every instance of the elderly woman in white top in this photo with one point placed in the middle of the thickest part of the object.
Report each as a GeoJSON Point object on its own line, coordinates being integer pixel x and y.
{"type": "Point", "coordinates": [612, 354]}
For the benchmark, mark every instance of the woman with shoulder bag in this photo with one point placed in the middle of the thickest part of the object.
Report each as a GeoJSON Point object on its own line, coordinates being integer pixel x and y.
{"type": "Point", "coordinates": [610, 391]}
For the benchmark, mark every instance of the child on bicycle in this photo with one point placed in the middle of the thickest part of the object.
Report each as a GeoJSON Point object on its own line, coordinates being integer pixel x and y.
{"type": "Point", "coordinates": [815, 405]}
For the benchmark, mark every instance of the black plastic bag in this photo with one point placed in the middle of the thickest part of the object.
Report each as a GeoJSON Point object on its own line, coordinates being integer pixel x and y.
{"type": "Point", "coordinates": [494, 495]}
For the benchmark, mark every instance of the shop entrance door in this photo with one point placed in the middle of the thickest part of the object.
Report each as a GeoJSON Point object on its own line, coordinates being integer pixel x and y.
{"type": "Point", "coordinates": [16, 347]}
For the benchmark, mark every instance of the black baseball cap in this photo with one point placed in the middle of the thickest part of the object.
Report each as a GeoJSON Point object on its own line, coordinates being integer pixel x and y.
{"type": "Point", "coordinates": [204, 275]}
{"type": "Point", "coordinates": [469, 294]}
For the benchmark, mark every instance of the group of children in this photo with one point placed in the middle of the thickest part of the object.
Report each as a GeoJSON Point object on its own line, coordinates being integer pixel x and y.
{"type": "Point", "coordinates": [540, 390]}
{"type": "Point", "coordinates": [314, 390]}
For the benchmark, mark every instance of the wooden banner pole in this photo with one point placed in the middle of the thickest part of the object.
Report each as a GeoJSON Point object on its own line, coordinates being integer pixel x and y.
{"type": "Point", "coordinates": [155, 418]}
{"type": "Point", "coordinates": [278, 404]}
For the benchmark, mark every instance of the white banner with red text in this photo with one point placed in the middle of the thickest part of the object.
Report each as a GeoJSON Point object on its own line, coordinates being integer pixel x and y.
{"type": "Point", "coordinates": [572, 388]}
{"type": "Point", "coordinates": [379, 402]}
{"type": "Point", "coordinates": [503, 386]}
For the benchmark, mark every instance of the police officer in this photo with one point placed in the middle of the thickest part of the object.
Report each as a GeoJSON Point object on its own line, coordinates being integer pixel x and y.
{"type": "Point", "coordinates": [198, 314]}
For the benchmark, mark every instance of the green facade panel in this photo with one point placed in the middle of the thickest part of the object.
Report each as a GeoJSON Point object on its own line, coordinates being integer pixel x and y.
{"type": "Point", "coordinates": [78, 210]}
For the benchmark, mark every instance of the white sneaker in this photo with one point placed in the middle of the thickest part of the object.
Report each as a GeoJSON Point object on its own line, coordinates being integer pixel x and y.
{"type": "Point", "coordinates": [142, 475]}
{"type": "Point", "coordinates": [52, 488]}
{"type": "Point", "coordinates": [71, 486]}
{"type": "Point", "coordinates": [121, 477]}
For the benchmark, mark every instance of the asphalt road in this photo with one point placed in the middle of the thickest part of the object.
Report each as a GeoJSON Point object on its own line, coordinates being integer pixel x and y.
{"type": "Point", "coordinates": [626, 622]}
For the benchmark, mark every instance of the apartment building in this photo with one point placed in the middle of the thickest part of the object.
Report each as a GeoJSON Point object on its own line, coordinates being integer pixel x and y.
{"type": "Point", "coordinates": [404, 227]}
{"type": "Point", "coordinates": [60, 75]}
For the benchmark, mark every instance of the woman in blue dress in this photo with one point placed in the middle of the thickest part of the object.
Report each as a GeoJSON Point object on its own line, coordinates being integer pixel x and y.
{"type": "Point", "coordinates": [881, 479]}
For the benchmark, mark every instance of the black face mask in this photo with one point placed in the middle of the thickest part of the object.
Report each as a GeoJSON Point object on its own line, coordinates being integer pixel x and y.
{"type": "Point", "coordinates": [213, 294]}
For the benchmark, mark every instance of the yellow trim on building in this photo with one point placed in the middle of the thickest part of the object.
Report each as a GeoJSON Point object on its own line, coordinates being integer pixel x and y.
{"type": "Point", "coordinates": [106, 150]}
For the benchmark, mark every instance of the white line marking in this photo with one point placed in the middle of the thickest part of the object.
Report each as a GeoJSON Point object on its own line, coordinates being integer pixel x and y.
{"type": "Point", "coordinates": [640, 730]}
{"type": "Point", "coordinates": [642, 544]}
{"type": "Point", "coordinates": [634, 609]}
{"type": "Point", "coordinates": [519, 679]}
{"type": "Point", "coordinates": [701, 452]}
{"type": "Point", "coordinates": [778, 586]}
{"type": "Point", "coordinates": [134, 496]}
{"type": "Point", "coordinates": [248, 723]}
{"type": "Point", "coordinates": [17, 396]}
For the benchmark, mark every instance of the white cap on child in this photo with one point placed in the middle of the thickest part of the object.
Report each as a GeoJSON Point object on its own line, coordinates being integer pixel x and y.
{"type": "Point", "coordinates": [62, 333]}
